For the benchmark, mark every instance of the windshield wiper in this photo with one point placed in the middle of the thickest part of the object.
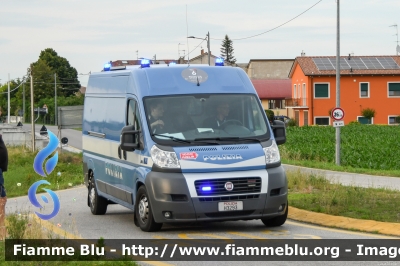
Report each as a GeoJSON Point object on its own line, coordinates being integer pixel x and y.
{"type": "Point", "coordinates": [173, 138]}
{"type": "Point", "coordinates": [228, 139]}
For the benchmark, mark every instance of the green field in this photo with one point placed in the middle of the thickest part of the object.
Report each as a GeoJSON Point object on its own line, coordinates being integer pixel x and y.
{"type": "Point", "coordinates": [375, 147]}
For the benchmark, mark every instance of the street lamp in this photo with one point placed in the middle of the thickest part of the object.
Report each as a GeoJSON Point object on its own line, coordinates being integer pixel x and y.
{"type": "Point", "coordinates": [208, 44]}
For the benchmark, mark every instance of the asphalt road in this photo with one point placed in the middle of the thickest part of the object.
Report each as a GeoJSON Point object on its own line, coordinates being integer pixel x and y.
{"type": "Point", "coordinates": [75, 218]}
{"type": "Point", "coordinates": [74, 136]}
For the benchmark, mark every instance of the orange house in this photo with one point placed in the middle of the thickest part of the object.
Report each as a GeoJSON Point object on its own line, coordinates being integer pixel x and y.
{"type": "Point", "coordinates": [365, 82]}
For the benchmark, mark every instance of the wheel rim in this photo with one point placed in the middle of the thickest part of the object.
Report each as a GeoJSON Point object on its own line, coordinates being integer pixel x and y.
{"type": "Point", "coordinates": [143, 209]}
{"type": "Point", "coordinates": [92, 197]}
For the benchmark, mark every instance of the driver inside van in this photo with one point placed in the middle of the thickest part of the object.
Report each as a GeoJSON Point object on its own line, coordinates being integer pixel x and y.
{"type": "Point", "coordinates": [220, 117]}
{"type": "Point", "coordinates": [155, 117]}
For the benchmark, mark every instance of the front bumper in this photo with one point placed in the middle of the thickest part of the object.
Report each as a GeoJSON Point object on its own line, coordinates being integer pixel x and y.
{"type": "Point", "coordinates": [170, 192]}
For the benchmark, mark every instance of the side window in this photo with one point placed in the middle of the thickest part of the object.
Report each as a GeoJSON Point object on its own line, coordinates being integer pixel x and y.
{"type": "Point", "coordinates": [134, 115]}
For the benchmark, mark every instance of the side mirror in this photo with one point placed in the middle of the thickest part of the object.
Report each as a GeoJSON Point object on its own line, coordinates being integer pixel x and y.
{"type": "Point", "coordinates": [279, 132]}
{"type": "Point", "coordinates": [129, 138]}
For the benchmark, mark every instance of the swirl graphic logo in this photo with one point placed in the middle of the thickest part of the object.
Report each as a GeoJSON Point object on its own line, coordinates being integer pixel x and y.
{"type": "Point", "coordinates": [34, 201]}
{"type": "Point", "coordinates": [49, 166]}
{"type": "Point", "coordinates": [44, 153]}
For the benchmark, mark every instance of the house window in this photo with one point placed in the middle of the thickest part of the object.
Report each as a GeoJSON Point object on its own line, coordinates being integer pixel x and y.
{"type": "Point", "coordinates": [364, 120]}
{"type": "Point", "coordinates": [392, 119]}
{"type": "Point", "coordinates": [394, 89]}
{"type": "Point", "coordinates": [271, 104]}
{"type": "Point", "coordinates": [276, 104]}
{"type": "Point", "coordinates": [295, 91]}
{"type": "Point", "coordinates": [321, 90]}
{"type": "Point", "coordinates": [322, 121]}
{"type": "Point", "coordinates": [364, 90]}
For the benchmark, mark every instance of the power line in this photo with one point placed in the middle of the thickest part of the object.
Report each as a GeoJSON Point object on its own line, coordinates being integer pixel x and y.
{"type": "Point", "coordinates": [195, 47]}
{"type": "Point", "coordinates": [238, 39]}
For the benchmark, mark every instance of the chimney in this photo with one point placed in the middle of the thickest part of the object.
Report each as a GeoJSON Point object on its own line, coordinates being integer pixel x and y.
{"type": "Point", "coordinates": [202, 51]}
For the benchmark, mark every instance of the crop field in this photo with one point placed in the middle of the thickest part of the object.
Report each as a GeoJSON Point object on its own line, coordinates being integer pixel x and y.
{"type": "Point", "coordinates": [362, 146]}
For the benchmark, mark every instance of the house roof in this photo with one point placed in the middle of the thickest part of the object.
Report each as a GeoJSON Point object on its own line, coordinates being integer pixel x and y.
{"type": "Point", "coordinates": [273, 88]}
{"type": "Point", "coordinates": [309, 68]}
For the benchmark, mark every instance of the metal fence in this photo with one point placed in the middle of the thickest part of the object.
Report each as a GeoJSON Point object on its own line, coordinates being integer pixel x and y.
{"type": "Point", "coordinates": [70, 116]}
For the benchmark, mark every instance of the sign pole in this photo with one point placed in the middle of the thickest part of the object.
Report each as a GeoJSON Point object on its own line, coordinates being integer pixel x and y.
{"type": "Point", "coordinates": [338, 81]}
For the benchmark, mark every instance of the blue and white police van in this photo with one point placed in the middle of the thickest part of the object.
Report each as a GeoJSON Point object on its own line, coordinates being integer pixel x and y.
{"type": "Point", "coordinates": [181, 143]}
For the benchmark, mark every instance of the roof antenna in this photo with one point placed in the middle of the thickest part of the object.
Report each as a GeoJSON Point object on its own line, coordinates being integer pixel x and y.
{"type": "Point", "coordinates": [187, 33]}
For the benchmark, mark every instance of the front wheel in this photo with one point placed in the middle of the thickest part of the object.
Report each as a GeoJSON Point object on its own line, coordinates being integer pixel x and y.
{"type": "Point", "coordinates": [97, 204]}
{"type": "Point", "coordinates": [144, 212]}
{"type": "Point", "coordinates": [277, 221]}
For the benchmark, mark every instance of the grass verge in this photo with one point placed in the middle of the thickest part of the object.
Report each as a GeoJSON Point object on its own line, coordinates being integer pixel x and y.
{"type": "Point", "coordinates": [317, 194]}
{"type": "Point", "coordinates": [24, 226]}
{"type": "Point", "coordinates": [334, 167]}
{"type": "Point", "coordinates": [21, 175]}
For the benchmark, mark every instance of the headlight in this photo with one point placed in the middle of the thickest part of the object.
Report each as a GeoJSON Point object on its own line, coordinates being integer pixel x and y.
{"type": "Point", "coordinates": [272, 153]}
{"type": "Point", "coordinates": [164, 159]}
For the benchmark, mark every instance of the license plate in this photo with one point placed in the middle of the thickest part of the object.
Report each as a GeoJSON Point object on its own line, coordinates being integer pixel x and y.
{"type": "Point", "coordinates": [230, 206]}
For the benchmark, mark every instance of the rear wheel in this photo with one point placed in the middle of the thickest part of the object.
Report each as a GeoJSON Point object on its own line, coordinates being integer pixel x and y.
{"type": "Point", "coordinates": [144, 212]}
{"type": "Point", "coordinates": [277, 221]}
{"type": "Point", "coordinates": [97, 204]}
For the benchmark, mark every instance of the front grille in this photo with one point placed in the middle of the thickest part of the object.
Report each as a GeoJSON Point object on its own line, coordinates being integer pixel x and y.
{"type": "Point", "coordinates": [229, 148]}
{"type": "Point", "coordinates": [228, 214]}
{"type": "Point", "coordinates": [242, 197]}
{"type": "Point", "coordinates": [241, 185]}
{"type": "Point", "coordinates": [203, 149]}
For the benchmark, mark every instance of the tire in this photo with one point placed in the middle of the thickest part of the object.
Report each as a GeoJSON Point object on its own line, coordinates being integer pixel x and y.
{"type": "Point", "coordinates": [97, 204]}
{"type": "Point", "coordinates": [277, 221]}
{"type": "Point", "coordinates": [144, 212]}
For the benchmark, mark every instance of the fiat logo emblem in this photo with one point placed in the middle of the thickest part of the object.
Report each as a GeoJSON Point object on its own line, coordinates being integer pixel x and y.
{"type": "Point", "coordinates": [229, 186]}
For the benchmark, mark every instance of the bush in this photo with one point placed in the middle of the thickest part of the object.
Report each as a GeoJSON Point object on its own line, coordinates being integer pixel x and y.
{"type": "Point", "coordinates": [368, 113]}
{"type": "Point", "coordinates": [292, 122]}
{"type": "Point", "coordinates": [270, 114]}
{"type": "Point", "coordinates": [17, 224]}
{"type": "Point", "coordinates": [354, 123]}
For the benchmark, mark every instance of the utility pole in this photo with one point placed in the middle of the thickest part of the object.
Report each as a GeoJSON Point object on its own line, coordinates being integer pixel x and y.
{"type": "Point", "coordinates": [23, 100]}
{"type": "Point", "coordinates": [55, 99]}
{"type": "Point", "coordinates": [208, 47]}
{"type": "Point", "coordinates": [338, 81]}
{"type": "Point", "coordinates": [32, 112]}
{"type": "Point", "coordinates": [8, 105]}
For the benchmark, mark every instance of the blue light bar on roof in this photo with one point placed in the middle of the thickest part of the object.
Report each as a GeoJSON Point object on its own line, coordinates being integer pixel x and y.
{"type": "Point", "coordinates": [107, 67]}
{"type": "Point", "coordinates": [219, 61]}
{"type": "Point", "coordinates": [172, 63]}
{"type": "Point", "coordinates": [145, 63]}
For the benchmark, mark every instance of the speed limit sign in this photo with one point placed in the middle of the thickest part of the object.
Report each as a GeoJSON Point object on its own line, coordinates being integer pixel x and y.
{"type": "Point", "coordinates": [337, 113]}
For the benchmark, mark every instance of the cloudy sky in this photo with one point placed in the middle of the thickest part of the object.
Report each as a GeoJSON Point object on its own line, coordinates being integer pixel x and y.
{"type": "Point", "coordinates": [89, 33]}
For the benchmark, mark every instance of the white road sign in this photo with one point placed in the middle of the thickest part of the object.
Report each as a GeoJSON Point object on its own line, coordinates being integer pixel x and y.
{"type": "Point", "coordinates": [338, 123]}
{"type": "Point", "coordinates": [337, 113]}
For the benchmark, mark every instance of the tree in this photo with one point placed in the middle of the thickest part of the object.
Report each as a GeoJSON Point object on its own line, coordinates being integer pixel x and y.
{"type": "Point", "coordinates": [227, 50]}
{"type": "Point", "coordinates": [67, 75]}
{"type": "Point", "coordinates": [368, 113]}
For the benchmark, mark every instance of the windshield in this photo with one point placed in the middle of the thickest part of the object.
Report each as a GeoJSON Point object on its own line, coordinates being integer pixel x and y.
{"type": "Point", "coordinates": [205, 119]}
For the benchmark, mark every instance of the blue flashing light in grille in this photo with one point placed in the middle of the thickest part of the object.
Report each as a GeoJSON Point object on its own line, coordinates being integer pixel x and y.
{"type": "Point", "coordinates": [219, 61]}
{"type": "Point", "coordinates": [107, 67]}
{"type": "Point", "coordinates": [145, 63]}
{"type": "Point", "coordinates": [206, 188]}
